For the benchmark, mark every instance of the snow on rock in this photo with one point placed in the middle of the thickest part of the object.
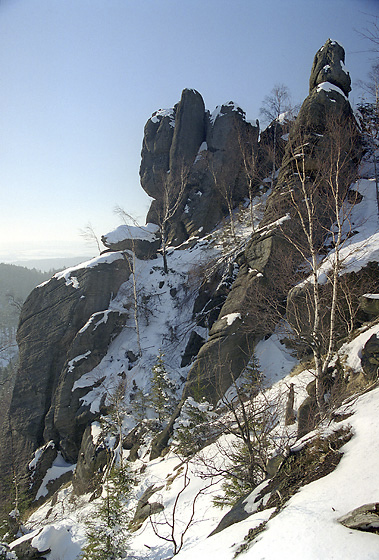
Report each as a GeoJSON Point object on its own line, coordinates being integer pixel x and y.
{"type": "Point", "coordinates": [218, 112]}
{"type": "Point", "coordinates": [275, 360]}
{"type": "Point", "coordinates": [362, 247]}
{"type": "Point", "coordinates": [58, 468]}
{"type": "Point", "coordinates": [71, 363]}
{"type": "Point", "coordinates": [71, 279]}
{"type": "Point", "coordinates": [327, 86]}
{"type": "Point", "coordinates": [352, 351]}
{"type": "Point", "coordinates": [38, 454]}
{"type": "Point", "coordinates": [231, 318]}
{"type": "Point", "coordinates": [307, 526]}
{"type": "Point", "coordinates": [161, 113]}
{"type": "Point", "coordinates": [146, 233]}
{"type": "Point", "coordinates": [61, 538]}
{"type": "Point", "coordinates": [101, 315]}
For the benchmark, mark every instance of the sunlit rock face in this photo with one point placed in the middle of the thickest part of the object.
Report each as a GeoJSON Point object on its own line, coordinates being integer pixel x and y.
{"type": "Point", "coordinates": [62, 335]}
{"type": "Point", "coordinates": [329, 66]}
{"type": "Point", "coordinates": [268, 257]}
{"type": "Point", "coordinates": [190, 151]}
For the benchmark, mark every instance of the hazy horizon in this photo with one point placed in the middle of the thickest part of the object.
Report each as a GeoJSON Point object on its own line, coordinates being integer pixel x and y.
{"type": "Point", "coordinates": [80, 80]}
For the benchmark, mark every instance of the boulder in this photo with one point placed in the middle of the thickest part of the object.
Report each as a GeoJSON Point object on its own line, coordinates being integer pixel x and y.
{"type": "Point", "coordinates": [363, 518]}
{"type": "Point", "coordinates": [370, 358]}
{"type": "Point", "coordinates": [236, 514]}
{"type": "Point", "coordinates": [369, 303]}
{"type": "Point", "coordinates": [145, 508]}
{"type": "Point", "coordinates": [91, 460]}
{"type": "Point", "coordinates": [25, 551]}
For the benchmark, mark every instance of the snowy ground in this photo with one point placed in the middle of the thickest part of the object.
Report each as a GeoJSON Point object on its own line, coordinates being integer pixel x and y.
{"type": "Point", "coordinates": [307, 527]}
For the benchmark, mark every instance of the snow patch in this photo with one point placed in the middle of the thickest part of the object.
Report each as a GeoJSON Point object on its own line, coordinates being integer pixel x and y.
{"type": "Point", "coordinates": [57, 469]}
{"type": "Point", "coordinates": [231, 318]}
{"type": "Point", "coordinates": [107, 258]}
{"type": "Point", "coordinates": [327, 86]}
{"type": "Point", "coordinates": [145, 233]}
{"type": "Point", "coordinates": [71, 364]}
{"type": "Point", "coordinates": [161, 113]}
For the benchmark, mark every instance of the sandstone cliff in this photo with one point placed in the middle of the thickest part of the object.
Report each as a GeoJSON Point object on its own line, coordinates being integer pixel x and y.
{"type": "Point", "coordinates": [209, 312]}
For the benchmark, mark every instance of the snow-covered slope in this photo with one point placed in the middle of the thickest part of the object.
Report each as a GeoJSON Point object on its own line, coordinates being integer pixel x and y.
{"type": "Point", "coordinates": [306, 526]}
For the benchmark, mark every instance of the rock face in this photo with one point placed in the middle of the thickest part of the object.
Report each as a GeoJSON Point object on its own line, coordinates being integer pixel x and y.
{"type": "Point", "coordinates": [60, 321]}
{"type": "Point", "coordinates": [363, 518]}
{"type": "Point", "coordinates": [188, 144]}
{"type": "Point", "coordinates": [66, 325]}
{"type": "Point", "coordinates": [143, 241]}
{"type": "Point", "coordinates": [370, 358]}
{"type": "Point", "coordinates": [261, 273]}
{"type": "Point", "coordinates": [329, 66]}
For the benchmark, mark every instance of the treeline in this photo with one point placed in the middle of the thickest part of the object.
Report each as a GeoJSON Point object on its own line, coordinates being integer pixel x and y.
{"type": "Point", "coordinates": [16, 283]}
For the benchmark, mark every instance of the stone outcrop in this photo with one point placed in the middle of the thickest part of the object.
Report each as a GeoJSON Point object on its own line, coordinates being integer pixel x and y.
{"type": "Point", "coordinates": [370, 358]}
{"type": "Point", "coordinates": [231, 343]}
{"type": "Point", "coordinates": [329, 66]}
{"type": "Point", "coordinates": [363, 518]}
{"type": "Point", "coordinates": [188, 144]}
{"type": "Point", "coordinates": [143, 241]}
{"type": "Point", "coordinates": [62, 334]}
{"type": "Point", "coordinates": [370, 304]}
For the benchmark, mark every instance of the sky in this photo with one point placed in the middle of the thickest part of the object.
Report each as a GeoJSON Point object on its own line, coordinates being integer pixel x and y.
{"type": "Point", "coordinates": [80, 78]}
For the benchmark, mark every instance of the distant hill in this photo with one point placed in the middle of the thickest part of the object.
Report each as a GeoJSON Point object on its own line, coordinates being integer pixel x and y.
{"type": "Point", "coordinates": [16, 283]}
{"type": "Point", "coordinates": [51, 264]}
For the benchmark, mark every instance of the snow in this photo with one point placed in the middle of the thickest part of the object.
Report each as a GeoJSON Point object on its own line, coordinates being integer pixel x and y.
{"type": "Point", "coordinates": [71, 363]}
{"type": "Point", "coordinates": [231, 318]}
{"type": "Point", "coordinates": [58, 468]}
{"type": "Point", "coordinates": [307, 526]}
{"type": "Point", "coordinates": [351, 351]}
{"type": "Point", "coordinates": [274, 359]}
{"type": "Point", "coordinates": [145, 233]}
{"type": "Point", "coordinates": [362, 247]}
{"type": "Point", "coordinates": [62, 538]}
{"type": "Point", "coordinates": [101, 315]}
{"type": "Point", "coordinates": [327, 86]}
{"type": "Point", "coordinates": [72, 280]}
{"type": "Point", "coordinates": [218, 111]}
{"type": "Point", "coordinates": [264, 230]}
{"type": "Point", "coordinates": [203, 148]}
{"type": "Point", "coordinates": [161, 113]}
{"type": "Point", "coordinates": [38, 454]}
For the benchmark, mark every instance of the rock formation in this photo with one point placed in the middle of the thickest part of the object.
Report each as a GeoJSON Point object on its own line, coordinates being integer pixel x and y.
{"type": "Point", "coordinates": [67, 324]}
{"type": "Point", "coordinates": [59, 322]}
{"type": "Point", "coordinates": [261, 277]}
{"type": "Point", "coordinates": [205, 149]}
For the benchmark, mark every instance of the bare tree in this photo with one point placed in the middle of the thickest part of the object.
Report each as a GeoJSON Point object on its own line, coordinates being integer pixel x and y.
{"type": "Point", "coordinates": [251, 167]}
{"type": "Point", "coordinates": [130, 257]}
{"type": "Point", "coordinates": [88, 233]}
{"type": "Point", "coordinates": [173, 188]}
{"type": "Point", "coordinates": [172, 529]}
{"type": "Point", "coordinates": [372, 33]}
{"type": "Point", "coordinates": [321, 177]}
{"type": "Point", "coordinates": [274, 105]}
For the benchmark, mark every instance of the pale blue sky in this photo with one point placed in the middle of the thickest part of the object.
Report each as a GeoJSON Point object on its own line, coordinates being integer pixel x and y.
{"type": "Point", "coordinates": [79, 79]}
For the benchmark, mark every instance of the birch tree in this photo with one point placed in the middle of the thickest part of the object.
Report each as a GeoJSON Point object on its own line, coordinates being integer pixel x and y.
{"type": "Point", "coordinates": [322, 175]}
{"type": "Point", "coordinates": [274, 104]}
{"type": "Point", "coordinates": [130, 257]}
{"type": "Point", "coordinates": [173, 188]}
